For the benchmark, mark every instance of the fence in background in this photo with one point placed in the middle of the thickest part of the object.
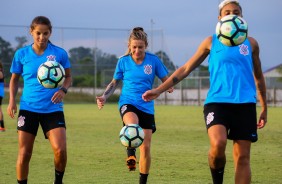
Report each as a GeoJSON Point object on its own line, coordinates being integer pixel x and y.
{"type": "Point", "coordinates": [190, 91]}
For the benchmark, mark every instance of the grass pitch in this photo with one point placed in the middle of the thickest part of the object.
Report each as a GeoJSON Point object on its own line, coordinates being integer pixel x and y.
{"type": "Point", "coordinates": [179, 149]}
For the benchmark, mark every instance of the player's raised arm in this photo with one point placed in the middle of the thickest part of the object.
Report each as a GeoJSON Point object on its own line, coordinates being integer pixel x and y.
{"type": "Point", "coordinates": [182, 72]}
{"type": "Point", "coordinates": [170, 90]}
{"type": "Point", "coordinates": [101, 100]}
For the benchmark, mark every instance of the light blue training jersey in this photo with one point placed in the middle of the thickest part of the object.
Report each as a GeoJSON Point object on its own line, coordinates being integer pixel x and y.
{"type": "Point", "coordinates": [138, 78]}
{"type": "Point", "coordinates": [231, 74]}
{"type": "Point", "coordinates": [35, 97]}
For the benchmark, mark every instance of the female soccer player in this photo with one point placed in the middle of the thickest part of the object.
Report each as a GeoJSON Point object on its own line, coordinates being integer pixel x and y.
{"type": "Point", "coordinates": [2, 93]}
{"type": "Point", "coordinates": [230, 107]}
{"type": "Point", "coordinates": [137, 69]}
{"type": "Point", "coordinates": [39, 105]}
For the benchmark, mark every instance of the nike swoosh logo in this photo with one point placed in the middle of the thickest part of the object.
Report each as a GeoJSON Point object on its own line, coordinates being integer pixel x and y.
{"type": "Point", "coordinates": [56, 73]}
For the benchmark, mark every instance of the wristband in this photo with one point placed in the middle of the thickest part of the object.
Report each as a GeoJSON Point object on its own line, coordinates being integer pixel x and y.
{"type": "Point", "coordinates": [65, 90]}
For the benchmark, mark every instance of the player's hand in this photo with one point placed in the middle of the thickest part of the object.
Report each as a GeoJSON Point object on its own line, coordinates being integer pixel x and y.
{"type": "Point", "coordinates": [58, 97]}
{"type": "Point", "coordinates": [170, 90]}
{"type": "Point", "coordinates": [12, 110]}
{"type": "Point", "coordinates": [262, 120]}
{"type": "Point", "coordinates": [101, 100]}
{"type": "Point", "coordinates": [150, 95]}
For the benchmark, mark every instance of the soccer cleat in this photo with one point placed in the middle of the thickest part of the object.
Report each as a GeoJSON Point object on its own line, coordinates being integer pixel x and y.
{"type": "Point", "coordinates": [131, 163]}
{"type": "Point", "coordinates": [2, 129]}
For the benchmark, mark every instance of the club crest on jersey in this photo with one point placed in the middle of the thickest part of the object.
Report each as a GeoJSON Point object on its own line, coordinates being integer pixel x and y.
{"type": "Point", "coordinates": [244, 50]}
{"type": "Point", "coordinates": [51, 58]}
{"type": "Point", "coordinates": [148, 69]}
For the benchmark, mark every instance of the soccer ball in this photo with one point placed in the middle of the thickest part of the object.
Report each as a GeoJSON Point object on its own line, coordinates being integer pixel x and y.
{"type": "Point", "coordinates": [131, 135]}
{"type": "Point", "coordinates": [232, 30]}
{"type": "Point", "coordinates": [51, 74]}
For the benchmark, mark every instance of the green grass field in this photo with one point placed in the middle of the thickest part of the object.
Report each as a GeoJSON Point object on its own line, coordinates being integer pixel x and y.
{"type": "Point", "coordinates": [179, 149]}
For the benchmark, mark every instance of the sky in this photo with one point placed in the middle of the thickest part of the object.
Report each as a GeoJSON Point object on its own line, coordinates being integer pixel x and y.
{"type": "Point", "coordinates": [183, 24]}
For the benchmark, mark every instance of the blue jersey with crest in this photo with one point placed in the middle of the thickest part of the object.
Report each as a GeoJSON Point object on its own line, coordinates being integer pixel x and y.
{"type": "Point", "coordinates": [138, 78]}
{"type": "Point", "coordinates": [35, 97]}
{"type": "Point", "coordinates": [231, 73]}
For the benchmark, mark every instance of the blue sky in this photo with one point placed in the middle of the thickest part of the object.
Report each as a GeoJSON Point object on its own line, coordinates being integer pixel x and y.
{"type": "Point", "coordinates": [184, 23]}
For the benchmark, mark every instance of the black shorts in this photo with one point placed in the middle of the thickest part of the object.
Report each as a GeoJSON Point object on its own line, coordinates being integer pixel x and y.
{"type": "Point", "coordinates": [146, 121]}
{"type": "Point", "coordinates": [1, 99]}
{"type": "Point", "coordinates": [29, 121]}
{"type": "Point", "coordinates": [240, 120]}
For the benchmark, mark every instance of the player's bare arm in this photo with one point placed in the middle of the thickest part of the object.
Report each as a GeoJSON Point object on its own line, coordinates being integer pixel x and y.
{"type": "Point", "coordinates": [260, 82]}
{"type": "Point", "coordinates": [182, 72]}
{"type": "Point", "coordinates": [14, 83]}
{"type": "Point", "coordinates": [170, 90]}
{"type": "Point", "coordinates": [101, 100]}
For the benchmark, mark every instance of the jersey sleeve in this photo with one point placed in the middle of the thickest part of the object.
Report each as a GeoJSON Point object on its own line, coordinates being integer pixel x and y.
{"type": "Point", "coordinates": [65, 62]}
{"type": "Point", "coordinates": [118, 75]}
{"type": "Point", "coordinates": [16, 66]}
{"type": "Point", "coordinates": [161, 70]}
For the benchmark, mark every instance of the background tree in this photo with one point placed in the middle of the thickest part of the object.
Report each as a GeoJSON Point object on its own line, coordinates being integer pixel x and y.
{"type": "Point", "coordinates": [6, 55]}
{"type": "Point", "coordinates": [83, 60]}
{"type": "Point", "coordinates": [166, 60]}
{"type": "Point", "coordinates": [21, 40]}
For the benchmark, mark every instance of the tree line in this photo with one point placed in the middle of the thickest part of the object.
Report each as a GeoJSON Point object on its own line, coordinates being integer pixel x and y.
{"type": "Point", "coordinates": [86, 62]}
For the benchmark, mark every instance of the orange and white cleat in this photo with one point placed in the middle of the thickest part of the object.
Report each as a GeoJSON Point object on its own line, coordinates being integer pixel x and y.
{"type": "Point", "coordinates": [2, 129]}
{"type": "Point", "coordinates": [131, 163]}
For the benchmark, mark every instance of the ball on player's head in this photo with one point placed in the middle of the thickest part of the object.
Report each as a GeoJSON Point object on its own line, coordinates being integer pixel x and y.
{"type": "Point", "coordinates": [131, 135]}
{"type": "Point", "coordinates": [51, 74]}
{"type": "Point", "coordinates": [232, 30]}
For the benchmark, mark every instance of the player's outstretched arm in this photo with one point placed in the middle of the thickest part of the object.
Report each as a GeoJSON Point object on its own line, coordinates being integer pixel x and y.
{"type": "Point", "coordinates": [170, 90]}
{"type": "Point", "coordinates": [182, 72]}
{"type": "Point", "coordinates": [101, 100]}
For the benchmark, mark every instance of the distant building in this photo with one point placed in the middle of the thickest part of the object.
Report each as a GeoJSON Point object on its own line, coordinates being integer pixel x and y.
{"type": "Point", "coordinates": [273, 78]}
{"type": "Point", "coordinates": [273, 72]}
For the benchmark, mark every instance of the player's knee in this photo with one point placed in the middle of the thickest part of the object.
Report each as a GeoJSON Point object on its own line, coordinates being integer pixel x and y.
{"type": "Point", "coordinates": [61, 153]}
{"type": "Point", "coordinates": [24, 157]}
{"type": "Point", "coordinates": [218, 147]}
{"type": "Point", "coordinates": [243, 160]}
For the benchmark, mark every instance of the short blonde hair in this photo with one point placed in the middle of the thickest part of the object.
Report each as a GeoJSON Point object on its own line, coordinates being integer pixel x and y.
{"type": "Point", "coordinates": [137, 33]}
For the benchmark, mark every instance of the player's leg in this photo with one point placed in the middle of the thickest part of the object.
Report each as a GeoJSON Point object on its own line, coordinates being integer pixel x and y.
{"type": "Point", "coordinates": [57, 138]}
{"type": "Point", "coordinates": [243, 132]}
{"type": "Point", "coordinates": [130, 118]}
{"type": "Point", "coordinates": [241, 155]}
{"type": "Point", "coordinates": [145, 156]}
{"type": "Point", "coordinates": [2, 126]}
{"type": "Point", "coordinates": [54, 128]}
{"type": "Point", "coordinates": [25, 143]}
{"type": "Point", "coordinates": [217, 118]}
{"type": "Point", "coordinates": [27, 130]}
{"type": "Point", "coordinates": [216, 156]}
